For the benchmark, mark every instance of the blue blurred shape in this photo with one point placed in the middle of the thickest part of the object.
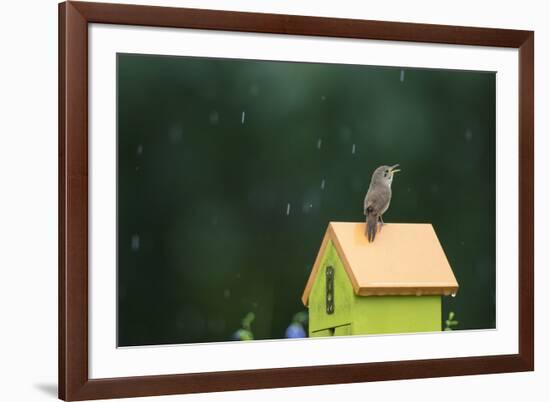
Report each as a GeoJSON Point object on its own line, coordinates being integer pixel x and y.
{"type": "Point", "coordinates": [295, 330]}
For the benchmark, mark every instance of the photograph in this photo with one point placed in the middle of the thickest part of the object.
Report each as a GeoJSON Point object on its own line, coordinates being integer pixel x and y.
{"type": "Point", "coordinates": [268, 200]}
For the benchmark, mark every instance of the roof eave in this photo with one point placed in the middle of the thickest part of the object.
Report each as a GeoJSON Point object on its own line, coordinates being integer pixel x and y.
{"type": "Point", "coordinates": [408, 291]}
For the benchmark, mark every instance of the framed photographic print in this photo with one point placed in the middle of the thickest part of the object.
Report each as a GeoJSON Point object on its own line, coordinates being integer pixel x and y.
{"type": "Point", "coordinates": [258, 200]}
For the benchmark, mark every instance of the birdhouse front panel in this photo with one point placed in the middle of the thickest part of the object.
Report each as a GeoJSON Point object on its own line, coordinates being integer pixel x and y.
{"type": "Point", "coordinates": [331, 298]}
{"type": "Point", "coordinates": [396, 314]}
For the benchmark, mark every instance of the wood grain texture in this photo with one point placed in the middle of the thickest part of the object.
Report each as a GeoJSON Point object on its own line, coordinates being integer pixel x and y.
{"type": "Point", "coordinates": [74, 382]}
{"type": "Point", "coordinates": [526, 233]}
{"type": "Point", "coordinates": [298, 25]}
{"type": "Point", "coordinates": [62, 285]}
{"type": "Point", "coordinates": [73, 196]}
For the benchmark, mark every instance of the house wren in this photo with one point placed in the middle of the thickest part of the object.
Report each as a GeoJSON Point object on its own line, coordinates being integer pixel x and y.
{"type": "Point", "coordinates": [378, 198]}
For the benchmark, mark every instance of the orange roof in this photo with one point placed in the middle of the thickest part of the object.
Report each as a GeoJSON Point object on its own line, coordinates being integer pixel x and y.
{"type": "Point", "coordinates": [404, 259]}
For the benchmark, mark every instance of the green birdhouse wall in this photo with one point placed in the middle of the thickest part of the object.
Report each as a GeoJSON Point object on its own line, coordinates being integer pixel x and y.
{"type": "Point", "coordinates": [392, 285]}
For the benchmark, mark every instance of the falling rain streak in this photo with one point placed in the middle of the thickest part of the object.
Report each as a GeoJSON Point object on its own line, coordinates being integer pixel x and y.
{"type": "Point", "coordinates": [242, 118]}
{"type": "Point", "coordinates": [353, 149]}
{"type": "Point", "coordinates": [135, 242]}
{"type": "Point", "coordinates": [323, 184]}
{"type": "Point", "coordinates": [307, 207]}
{"type": "Point", "coordinates": [319, 143]}
{"type": "Point", "coordinates": [214, 117]}
{"type": "Point", "coordinates": [288, 209]}
{"type": "Point", "coordinates": [402, 76]}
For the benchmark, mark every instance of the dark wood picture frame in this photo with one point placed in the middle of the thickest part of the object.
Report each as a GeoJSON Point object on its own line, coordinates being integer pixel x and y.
{"type": "Point", "coordinates": [74, 381]}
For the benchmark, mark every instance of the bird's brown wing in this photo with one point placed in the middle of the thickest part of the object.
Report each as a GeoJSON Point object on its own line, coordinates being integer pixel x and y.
{"type": "Point", "coordinates": [376, 202]}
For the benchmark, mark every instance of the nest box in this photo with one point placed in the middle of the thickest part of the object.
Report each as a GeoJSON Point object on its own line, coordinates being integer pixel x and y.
{"type": "Point", "coordinates": [392, 285]}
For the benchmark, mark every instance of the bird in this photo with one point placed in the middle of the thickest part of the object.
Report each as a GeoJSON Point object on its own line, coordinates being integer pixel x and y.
{"type": "Point", "coordinates": [378, 198]}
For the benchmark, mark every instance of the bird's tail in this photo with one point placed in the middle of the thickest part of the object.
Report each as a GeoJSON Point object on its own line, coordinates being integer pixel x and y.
{"type": "Point", "coordinates": [372, 222]}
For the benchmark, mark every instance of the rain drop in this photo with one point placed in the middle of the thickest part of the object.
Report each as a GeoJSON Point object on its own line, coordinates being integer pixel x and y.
{"type": "Point", "coordinates": [353, 149]}
{"type": "Point", "coordinates": [135, 242]}
{"type": "Point", "coordinates": [214, 117]}
{"type": "Point", "coordinates": [402, 76]}
{"type": "Point", "coordinates": [254, 90]}
{"type": "Point", "coordinates": [323, 184]}
{"type": "Point", "coordinates": [319, 143]}
{"type": "Point", "coordinates": [175, 134]}
{"type": "Point", "coordinates": [242, 118]}
{"type": "Point", "coordinates": [307, 207]}
{"type": "Point", "coordinates": [139, 150]}
{"type": "Point", "coordinates": [288, 209]}
{"type": "Point", "coordinates": [323, 98]}
{"type": "Point", "coordinates": [468, 135]}
{"type": "Point", "coordinates": [453, 295]}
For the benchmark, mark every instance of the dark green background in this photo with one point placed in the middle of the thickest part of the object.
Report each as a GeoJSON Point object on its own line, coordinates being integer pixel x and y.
{"type": "Point", "coordinates": [203, 231]}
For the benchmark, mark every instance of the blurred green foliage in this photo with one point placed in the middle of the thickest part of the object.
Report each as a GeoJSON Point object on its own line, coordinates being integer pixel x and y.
{"type": "Point", "coordinates": [230, 170]}
{"type": "Point", "coordinates": [245, 333]}
{"type": "Point", "coordinates": [450, 322]}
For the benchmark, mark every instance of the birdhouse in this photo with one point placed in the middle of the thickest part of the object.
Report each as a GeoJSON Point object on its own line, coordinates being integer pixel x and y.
{"type": "Point", "coordinates": [394, 284]}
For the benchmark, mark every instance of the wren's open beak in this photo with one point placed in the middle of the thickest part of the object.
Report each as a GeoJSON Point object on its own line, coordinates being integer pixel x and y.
{"type": "Point", "coordinates": [394, 169]}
